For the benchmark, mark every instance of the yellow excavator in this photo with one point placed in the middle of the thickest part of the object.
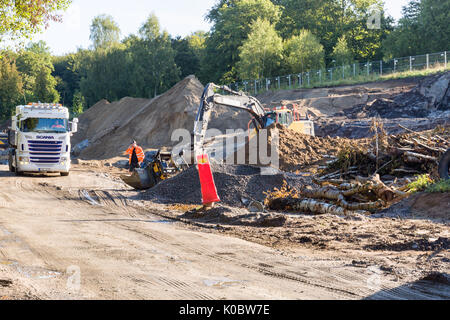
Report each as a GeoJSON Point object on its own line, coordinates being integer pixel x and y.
{"type": "Point", "coordinates": [158, 166]}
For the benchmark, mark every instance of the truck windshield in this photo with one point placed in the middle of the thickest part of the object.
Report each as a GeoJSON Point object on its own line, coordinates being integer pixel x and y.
{"type": "Point", "coordinates": [44, 125]}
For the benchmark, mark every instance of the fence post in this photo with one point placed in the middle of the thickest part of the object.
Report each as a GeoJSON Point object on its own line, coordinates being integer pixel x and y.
{"type": "Point", "coordinates": [368, 68]}
{"type": "Point", "coordinates": [267, 84]}
{"type": "Point", "coordinates": [445, 59]}
{"type": "Point", "coordinates": [331, 74]}
{"type": "Point", "coordinates": [308, 78]}
{"type": "Point", "coordinates": [289, 76]}
{"type": "Point", "coordinates": [299, 80]}
{"type": "Point", "coordinates": [343, 72]}
{"type": "Point", "coordinates": [256, 89]}
{"type": "Point", "coordinates": [428, 61]}
{"type": "Point", "coordinates": [354, 70]}
{"type": "Point", "coordinates": [381, 67]}
{"type": "Point", "coordinates": [278, 78]}
{"type": "Point", "coordinates": [410, 63]}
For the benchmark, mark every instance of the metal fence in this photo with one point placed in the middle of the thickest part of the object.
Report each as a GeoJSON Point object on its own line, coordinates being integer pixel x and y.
{"type": "Point", "coordinates": [335, 74]}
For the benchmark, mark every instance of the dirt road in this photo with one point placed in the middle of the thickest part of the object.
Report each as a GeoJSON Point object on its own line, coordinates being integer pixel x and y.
{"type": "Point", "coordinates": [84, 237]}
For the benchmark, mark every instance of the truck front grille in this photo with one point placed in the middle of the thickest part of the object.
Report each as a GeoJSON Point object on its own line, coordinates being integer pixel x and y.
{"type": "Point", "coordinates": [45, 151]}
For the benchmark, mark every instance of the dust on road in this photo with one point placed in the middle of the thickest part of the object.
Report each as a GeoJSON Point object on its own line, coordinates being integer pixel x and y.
{"type": "Point", "coordinates": [88, 236]}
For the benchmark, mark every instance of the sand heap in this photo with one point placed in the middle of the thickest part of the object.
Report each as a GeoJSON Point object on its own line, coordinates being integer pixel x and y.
{"type": "Point", "coordinates": [109, 127]}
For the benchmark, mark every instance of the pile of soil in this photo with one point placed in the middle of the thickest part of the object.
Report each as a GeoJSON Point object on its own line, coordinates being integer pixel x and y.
{"type": "Point", "coordinates": [435, 206]}
{"type": "Point", "coordinates": [296, 150]}
{"type": "Point", "coordinates": [235, 216]}
{"type": "Point", "coordinates": [232, 182]}
{"type": "Point", "coordinates": [110, 127]}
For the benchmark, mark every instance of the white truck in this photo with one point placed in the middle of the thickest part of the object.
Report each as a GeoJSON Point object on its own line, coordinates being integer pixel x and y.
{"type": "Point", "coordinates": [39, 139]}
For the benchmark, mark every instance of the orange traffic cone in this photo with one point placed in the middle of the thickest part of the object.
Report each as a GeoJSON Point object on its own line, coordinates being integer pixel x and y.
{"type": "Point", "coordinates": [209, 191]}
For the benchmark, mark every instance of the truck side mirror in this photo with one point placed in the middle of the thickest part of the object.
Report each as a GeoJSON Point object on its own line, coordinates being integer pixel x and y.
{"type": "Point", "coordinates": [74, 125]}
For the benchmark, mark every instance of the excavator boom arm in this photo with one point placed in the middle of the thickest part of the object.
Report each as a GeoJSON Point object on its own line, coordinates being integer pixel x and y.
{"type": "Point", "coordinates": [210, 99]}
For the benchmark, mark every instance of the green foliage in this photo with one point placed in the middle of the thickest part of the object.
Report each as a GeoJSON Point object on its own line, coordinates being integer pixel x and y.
{"type": "Point", "coordinates": [36, 66]}
{"type": "Point", "coordinates": [104, 32]}
{"type": "Point", "coordinates": [44, 86]}
{"type": "Point", "coordinates": [441, 186]}
{"type": "Point", "coordinates": [341, 53]}
{"type": "Point", "coordinates": [11, 91]}
{"type": "Point", "coordinates": [140, 67]}
{"type": "Point", "coordinates": [422, 182]}
{"type": "Point", "coordinates": [304, 52]}
{"type": "Point", "coordinates": [423, 28]}
{"type": "Point", "coordinates": [231, 26]}
{"type": "Point", "coordinates": [150, 30]}
{"type": "Point", "coordinates": [330, 20]}
{"type": "Point", "coordinates": [21, 19]}
{"type": "Point", "coordinates": [78, 103]}
{"type": "Point", "coordinates": [261, 53]}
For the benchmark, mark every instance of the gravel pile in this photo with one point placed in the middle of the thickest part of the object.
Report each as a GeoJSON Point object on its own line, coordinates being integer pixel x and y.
{"type": "Point", "coordinates": [232, 182]}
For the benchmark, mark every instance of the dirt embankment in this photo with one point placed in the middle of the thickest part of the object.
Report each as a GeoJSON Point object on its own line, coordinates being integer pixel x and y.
{"type": "Point", "coordinates": [328, 101]}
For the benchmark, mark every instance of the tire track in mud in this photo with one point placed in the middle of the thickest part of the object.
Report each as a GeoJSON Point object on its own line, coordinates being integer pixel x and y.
{"type": "Point", "coordinates": [257, 267]}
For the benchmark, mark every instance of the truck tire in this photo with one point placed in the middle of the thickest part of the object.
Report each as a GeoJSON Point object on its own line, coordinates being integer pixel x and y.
{"type": "Point", "coordinates": [64, 174]}
{"type": "Point", "coordinates": [10, 163]}
{"type": "Point", "coordinates": [18, 173]}
{"type": "Point", "coordinates": [444, 166]}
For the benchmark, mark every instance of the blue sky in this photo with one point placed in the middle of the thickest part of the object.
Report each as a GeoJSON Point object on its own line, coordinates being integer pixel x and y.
{"type": "Point", "coordinates": [178, 17]}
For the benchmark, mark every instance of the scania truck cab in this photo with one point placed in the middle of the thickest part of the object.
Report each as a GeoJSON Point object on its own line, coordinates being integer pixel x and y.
{"type": "Point", "coordinates": [39, 139]}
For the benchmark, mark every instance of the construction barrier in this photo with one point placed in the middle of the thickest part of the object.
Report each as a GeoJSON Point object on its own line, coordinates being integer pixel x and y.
{"type": "Point", "coordinates": [209, 191]}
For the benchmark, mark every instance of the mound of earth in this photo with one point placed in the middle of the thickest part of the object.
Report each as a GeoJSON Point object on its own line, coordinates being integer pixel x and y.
{"type": "Point", "coordinates": [296, 150]}
{"type": "Point", "coordinates": [106, 129]}
{"type": "Point", "coordinates": [421, 206]}
{"type": "Point", "coordinates": [232, 182]}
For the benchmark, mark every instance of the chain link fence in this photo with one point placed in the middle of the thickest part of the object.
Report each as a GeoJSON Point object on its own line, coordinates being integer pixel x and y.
{"type": "Point", "coordinates": [336, 74]}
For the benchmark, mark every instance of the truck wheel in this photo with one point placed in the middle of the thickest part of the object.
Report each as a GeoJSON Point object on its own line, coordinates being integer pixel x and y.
{"type": "Point", "coordinates": [444, 166]}
{"type": "Point", "coordinates": [64, 174]}
{"type": "Point", "coordinates": [18, 173]}
{"type": "Point", "coordinates": [10, 164]}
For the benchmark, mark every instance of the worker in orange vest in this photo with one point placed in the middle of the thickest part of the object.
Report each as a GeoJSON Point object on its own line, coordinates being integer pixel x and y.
{"type": "Point", "coordinates": [136, 154]}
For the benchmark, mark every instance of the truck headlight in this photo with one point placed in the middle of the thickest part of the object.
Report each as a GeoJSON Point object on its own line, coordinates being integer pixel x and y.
{"type": "Point", "coordinates": [24, 160]}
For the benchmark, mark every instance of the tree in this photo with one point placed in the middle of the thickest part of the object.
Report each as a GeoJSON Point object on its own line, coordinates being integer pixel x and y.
{"type": "Point", "coordinates": [423, 28]}
{"type": "Point", "coordinates": [329, 20]}
{"type": "Point", "coordinates": [303, 53]}
{"type": "Point", "coordinates": [21, 19]}
{"type": "Point", "coordinates": [261, 53]}
{"type": "Point", "coordinates": [151, 29]}
{"type": "Point", "coordinates": [35, 65]}
{"type": "Point", "coordinates": [78, 103]}
{"type": "Point", "coordinates": [104, 32]}
{"type": "Point", "coordinates": [342, 53]}
{"type": "Point", "coordinates": [231, 25]}
{"type": "Point", "coordinates": [11, 91]}
{"type": "Point", "coordinates": [44, 86]}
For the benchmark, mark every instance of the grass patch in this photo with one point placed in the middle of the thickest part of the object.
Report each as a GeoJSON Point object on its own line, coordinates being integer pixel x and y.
{"type": "Point", "coordinates": [441, 186]}
{"type": "Point", "coordinates": [360, 79]}
{"type": "Point", "coordinates": [422, 183]}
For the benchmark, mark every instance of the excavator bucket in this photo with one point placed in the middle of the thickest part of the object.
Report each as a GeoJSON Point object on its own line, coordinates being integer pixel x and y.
{"type": "Point", "coordinates": [140, 179]}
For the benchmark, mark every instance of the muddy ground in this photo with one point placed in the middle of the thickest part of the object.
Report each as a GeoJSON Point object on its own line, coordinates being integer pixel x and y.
{"type": "Point", "coordinates": [122, 246]}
